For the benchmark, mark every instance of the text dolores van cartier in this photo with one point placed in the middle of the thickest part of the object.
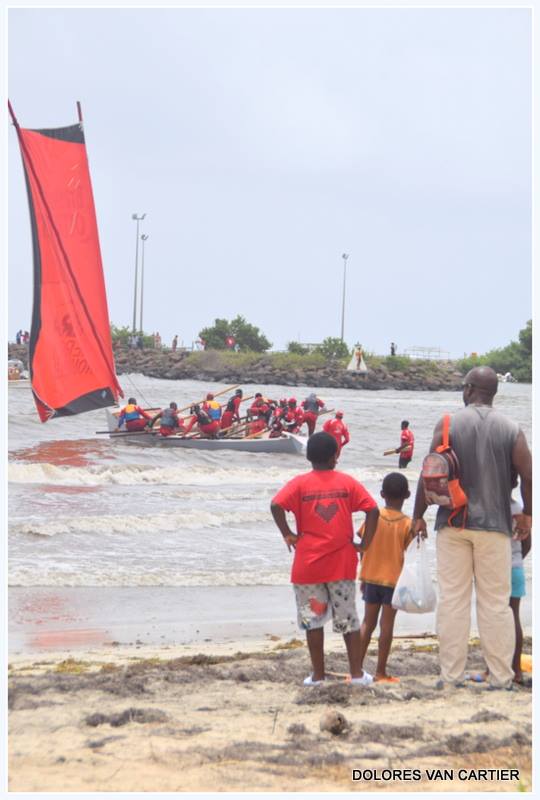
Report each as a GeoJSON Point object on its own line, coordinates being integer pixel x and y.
{"type": "Point", "coordinates": [385, 775]}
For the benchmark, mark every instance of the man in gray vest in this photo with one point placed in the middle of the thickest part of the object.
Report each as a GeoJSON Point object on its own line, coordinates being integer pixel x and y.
{"type": "Point", "coordinates": [475, 544]}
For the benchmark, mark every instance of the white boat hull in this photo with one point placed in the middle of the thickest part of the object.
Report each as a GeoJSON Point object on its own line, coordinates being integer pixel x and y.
{"type": "Point", "coordinates": [286, 443]}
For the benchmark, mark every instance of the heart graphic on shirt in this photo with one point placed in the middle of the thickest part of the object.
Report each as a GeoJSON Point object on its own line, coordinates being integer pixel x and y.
{"type": "Point", "coordinates": [326, 512]}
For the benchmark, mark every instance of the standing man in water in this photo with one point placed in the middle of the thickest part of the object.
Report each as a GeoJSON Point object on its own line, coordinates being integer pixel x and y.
{"type": "Point", "coordinates": [406, 447]}
{"type": "Point", "coordinates": [475, 544]}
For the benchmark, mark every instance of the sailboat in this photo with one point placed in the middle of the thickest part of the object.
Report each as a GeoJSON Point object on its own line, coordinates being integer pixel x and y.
{"type": "Point", "coordinates": [71, 361]}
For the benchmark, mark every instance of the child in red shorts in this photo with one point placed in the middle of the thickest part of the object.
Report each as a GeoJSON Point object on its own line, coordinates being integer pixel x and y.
{"type": "Point", "coordinates": [325, 558]}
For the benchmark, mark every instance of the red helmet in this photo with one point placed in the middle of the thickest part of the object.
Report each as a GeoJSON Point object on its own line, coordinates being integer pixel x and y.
{"type": "Point", "coordinates": [209, 396]}
{"type": "Point", "coordinates": [339, 414]}
{"type": "Point", "coordinates": [292, 401]}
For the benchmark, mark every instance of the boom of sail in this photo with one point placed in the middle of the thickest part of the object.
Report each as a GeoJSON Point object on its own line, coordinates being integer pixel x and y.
{"type": "Point", "coordinates": [70, 353]}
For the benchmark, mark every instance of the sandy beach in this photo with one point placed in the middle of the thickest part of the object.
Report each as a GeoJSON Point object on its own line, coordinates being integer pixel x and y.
{"type": "Point", "coordinates": [234, 716]}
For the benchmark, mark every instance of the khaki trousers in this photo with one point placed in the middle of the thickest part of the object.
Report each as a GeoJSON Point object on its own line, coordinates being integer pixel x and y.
{"type": "Point", "coordinates": [485, 556]}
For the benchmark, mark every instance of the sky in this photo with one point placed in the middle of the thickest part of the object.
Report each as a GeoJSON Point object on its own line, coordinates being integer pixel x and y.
{"type": "Point", "coordinates": [262, 144]}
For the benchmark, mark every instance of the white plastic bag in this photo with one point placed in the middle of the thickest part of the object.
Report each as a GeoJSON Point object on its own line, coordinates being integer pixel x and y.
{"type": "Point", "coordinates": [414, 590]}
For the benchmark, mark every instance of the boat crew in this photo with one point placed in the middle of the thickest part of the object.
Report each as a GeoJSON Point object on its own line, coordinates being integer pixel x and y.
{"type": "Point", "coordinates": [337, 428]}
{"type": "Point", "coordinates": [293, 417]}
{"type": "Point", "coordinates": [212, 407]}
{"type": "Point", "coordinates": [135, 417]}
{"type": "Point", "coordinates": [312, 406]}
{"type": "Point", "coordinates": [232, 410]}
{"type": "Point", "coordinates": [170, 421]}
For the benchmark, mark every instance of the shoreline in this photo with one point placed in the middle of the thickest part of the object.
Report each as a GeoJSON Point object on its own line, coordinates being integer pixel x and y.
{"type": "Point", "coordinates": [71, 619]}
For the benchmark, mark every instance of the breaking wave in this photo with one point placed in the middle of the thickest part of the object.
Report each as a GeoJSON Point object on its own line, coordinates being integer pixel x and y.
{"type": "Point", "coordinates": [137, 474]}
{"type": "Point", "coordinates": [134, 523]}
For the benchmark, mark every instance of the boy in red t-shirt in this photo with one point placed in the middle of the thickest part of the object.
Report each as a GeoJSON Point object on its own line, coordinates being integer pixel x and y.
{"type": "Point", "coordinates": [326, 559]}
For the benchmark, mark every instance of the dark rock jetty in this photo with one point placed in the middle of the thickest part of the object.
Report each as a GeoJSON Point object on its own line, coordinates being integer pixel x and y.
{"type": "Point", "coordinates": [214, 366]}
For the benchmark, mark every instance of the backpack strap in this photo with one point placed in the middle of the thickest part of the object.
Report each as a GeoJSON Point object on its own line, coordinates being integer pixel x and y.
{"type": "Point", "coordinates": [445, 445]}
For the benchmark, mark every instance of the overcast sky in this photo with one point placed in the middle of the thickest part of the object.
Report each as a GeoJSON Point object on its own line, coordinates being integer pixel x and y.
{"type": "Point", "coordinates": [263, 144]}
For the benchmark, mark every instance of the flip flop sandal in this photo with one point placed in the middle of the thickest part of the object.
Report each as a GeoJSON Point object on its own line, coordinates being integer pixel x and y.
{"type": "Point", "coordinates": [387, 679]}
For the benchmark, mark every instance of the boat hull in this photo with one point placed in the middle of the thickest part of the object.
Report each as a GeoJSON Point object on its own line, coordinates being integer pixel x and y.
{"type": "Point", "coordinates": [287, 443]}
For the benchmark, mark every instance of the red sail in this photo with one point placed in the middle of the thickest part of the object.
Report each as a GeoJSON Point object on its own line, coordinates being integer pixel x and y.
{"type": "Point", "coordinates": [70, 359]}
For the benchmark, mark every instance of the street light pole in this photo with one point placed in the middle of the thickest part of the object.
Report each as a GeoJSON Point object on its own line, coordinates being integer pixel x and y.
{"type": "Point", "coordinates": [345, 256]}
{"type": "Point", "coordinates": [144, 237]}
{"type": "Point", "coordinates": [138, 219]}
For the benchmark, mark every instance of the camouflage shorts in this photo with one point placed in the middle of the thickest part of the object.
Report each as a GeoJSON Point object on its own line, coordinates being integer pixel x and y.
{"type": "Point", "coordinates": [316, 603]}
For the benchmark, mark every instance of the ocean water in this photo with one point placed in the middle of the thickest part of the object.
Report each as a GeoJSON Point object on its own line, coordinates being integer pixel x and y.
{"type": "Point", "coordinates": [85, 511]}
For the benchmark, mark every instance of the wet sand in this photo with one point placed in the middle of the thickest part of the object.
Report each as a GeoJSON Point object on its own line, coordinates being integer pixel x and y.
{"type": "Point", "coordinates": [234, 716]}
{"type": "Point", "coordinates": [74, 618]}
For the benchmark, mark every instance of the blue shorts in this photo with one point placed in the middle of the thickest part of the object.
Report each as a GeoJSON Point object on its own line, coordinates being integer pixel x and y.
{"type": "Point", "coordinates": [377, 594]}
{"type": "Point", "coordinates": [518, 582]}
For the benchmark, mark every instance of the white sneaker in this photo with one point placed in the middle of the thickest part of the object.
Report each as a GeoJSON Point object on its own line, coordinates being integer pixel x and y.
{"type": "Point", "coordinates": [310, 682]}
{"type": "Point", "coordinates": [365, 680]}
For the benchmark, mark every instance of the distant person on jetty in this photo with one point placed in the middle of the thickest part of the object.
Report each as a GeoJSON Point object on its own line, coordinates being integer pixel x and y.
{"type": "Point", "coordinates": [337, 428]}
{"type": "Point", "coordinates": [174, 344]}
{"type": "Point", "coordinates": [359, 355]}
{"type": "Point", "coordinates": [393, 348]}
{"type": "Point", "coordinates": [171, 423]}
{"type": "Point", "coordinates": [475, 545]}
{"type": "Point", "coordinates": [312, 406]}
{"type": "Point", "coordinates": [325, 559]}
{"type": "Point", "coordinates": [134, 417]}
{"type": "Point", "coordinates": [381, 567]}
{"type": "Point", "coordinates": [406, 445]}
{"type": "Point", "coordinates": [231, 413]}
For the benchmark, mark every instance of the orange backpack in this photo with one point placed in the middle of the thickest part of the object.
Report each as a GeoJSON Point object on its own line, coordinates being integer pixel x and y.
{"type": "Point", "coordinates": [440, 477]}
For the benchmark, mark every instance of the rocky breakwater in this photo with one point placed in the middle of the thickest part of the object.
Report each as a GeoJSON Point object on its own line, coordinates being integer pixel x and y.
{"type": "Point", "coordinates": [266, 369]}
{"type": "Point", "coordinates": [215, 366]}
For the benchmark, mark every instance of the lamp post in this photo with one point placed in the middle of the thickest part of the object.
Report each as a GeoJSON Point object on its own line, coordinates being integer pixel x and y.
{"type": "Point", "coordinates": [345, 256]}
{"type": "Point", "coordinates": [138, 219]}
{"type": "Point", "coordinates": [144, 237]}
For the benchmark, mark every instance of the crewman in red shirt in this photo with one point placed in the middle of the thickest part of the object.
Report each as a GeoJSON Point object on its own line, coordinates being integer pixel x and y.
{"type": "Point", "coordinates": [406, 447]}
{"type": "Point", "coordinates": [232, 410]}
{"type": "Point", "coordinates": [337, 428]}
{"type": "Point", "coordinates": [207, 427]}
{"type": "Point", "coordinates": [325, 556]}
{"type": "Point", "coordinates": [293, 418]}
{"type": "Point", "coordinates": [257, 425]}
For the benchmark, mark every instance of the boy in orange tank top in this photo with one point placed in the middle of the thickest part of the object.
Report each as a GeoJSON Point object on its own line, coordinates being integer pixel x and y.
{"type": "Point", "coordinates": [381, 566]}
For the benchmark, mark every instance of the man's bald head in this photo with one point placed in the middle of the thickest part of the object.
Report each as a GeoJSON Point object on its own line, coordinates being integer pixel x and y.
{"type": "Point", "coordinates": [480, 385]}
